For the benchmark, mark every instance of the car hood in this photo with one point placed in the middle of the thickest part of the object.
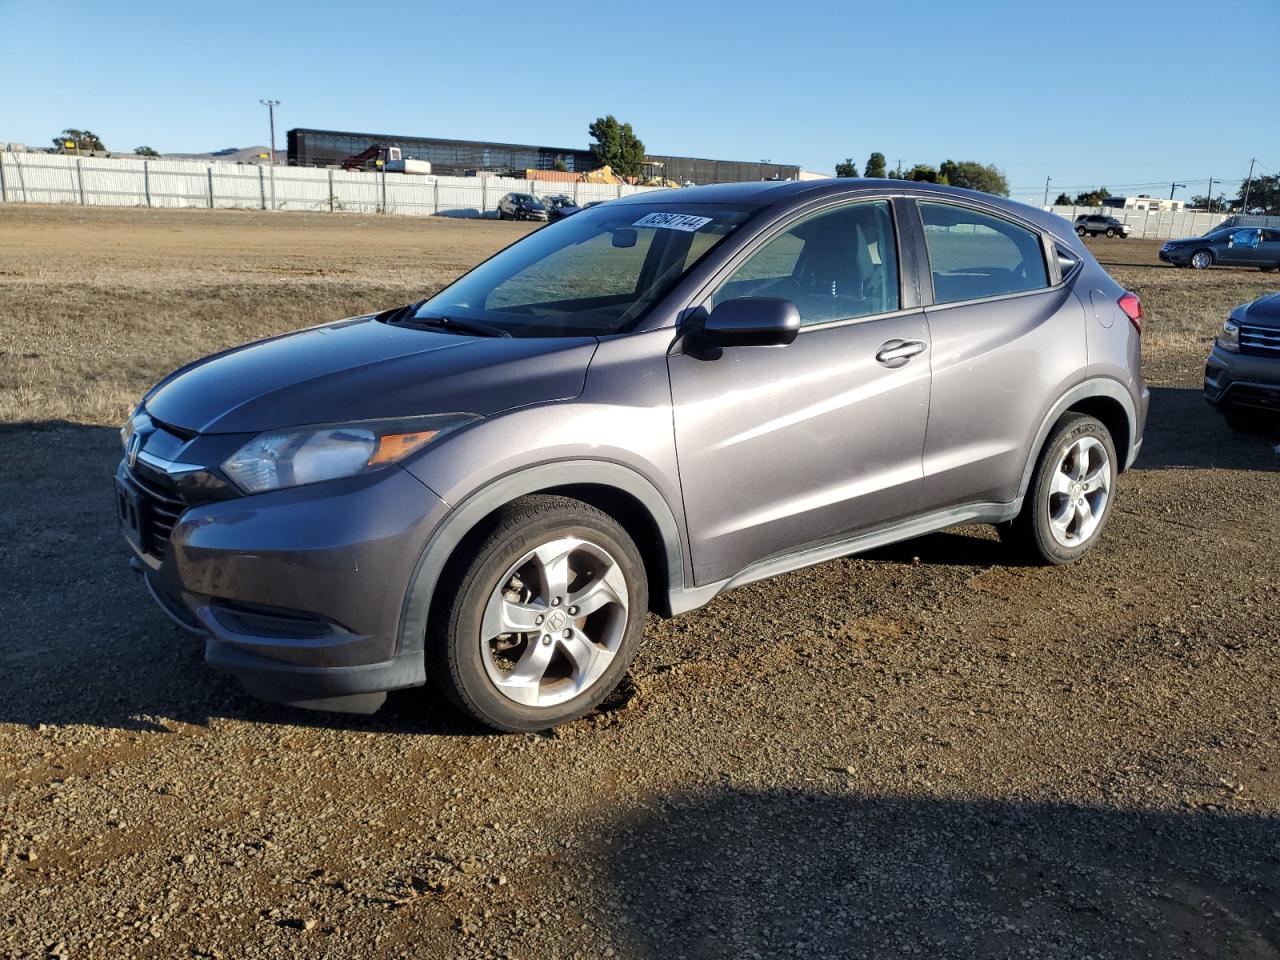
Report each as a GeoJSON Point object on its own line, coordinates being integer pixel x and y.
{"type": "Point", "coordinates": [1263, 312]}
{"type": "Point", "coordinates": [362, 370]}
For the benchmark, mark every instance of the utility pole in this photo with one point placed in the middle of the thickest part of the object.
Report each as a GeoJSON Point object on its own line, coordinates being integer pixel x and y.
{"type": "Point", "coordinates": [271, 115]}
{"type": "Point", "coordinates": [1211, 194]}
{"type": "Point", "coordinates": [1047, 181]}
{"type": "Point", "coordinates": [1248, 183]}
{"type": "Point", "coordinates": [1173, 187]}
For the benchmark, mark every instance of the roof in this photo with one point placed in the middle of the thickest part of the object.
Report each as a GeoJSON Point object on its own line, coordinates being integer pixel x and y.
{"type": "Point", "coordinates": [773, 192]}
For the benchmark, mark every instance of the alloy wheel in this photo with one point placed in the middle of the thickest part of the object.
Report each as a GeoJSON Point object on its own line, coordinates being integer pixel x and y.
{"type": "Point", "coordinates": [554, 622]}
{"type": "Point", "coordinates": [1079, 492]}
{"type": "Point", "coordinates": [1201, 259]}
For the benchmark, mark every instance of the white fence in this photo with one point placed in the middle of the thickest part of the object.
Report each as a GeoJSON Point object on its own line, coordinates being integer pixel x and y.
{"type": "Point", "coordinates": [128, 182]}
{"type": "Point", "coordinates": [1166, 223]}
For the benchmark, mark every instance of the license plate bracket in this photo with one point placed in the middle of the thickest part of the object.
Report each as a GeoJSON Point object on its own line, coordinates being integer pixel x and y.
{"type": "Point", "coordinates": [130, 512]}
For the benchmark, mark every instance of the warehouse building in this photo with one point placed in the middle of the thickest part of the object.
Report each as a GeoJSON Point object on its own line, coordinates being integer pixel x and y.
{"type": "Point", "coordinates": [330, 148]}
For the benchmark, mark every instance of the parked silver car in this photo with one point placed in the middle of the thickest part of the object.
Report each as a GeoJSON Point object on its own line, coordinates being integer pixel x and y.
{"type": "Point", "coordinates": [636, 408]}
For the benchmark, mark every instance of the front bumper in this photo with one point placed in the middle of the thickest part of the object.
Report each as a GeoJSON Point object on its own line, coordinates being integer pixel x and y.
{"type": "Point", "coordinates": [1178, 258]}
{"type": "Point", "coordinates": [299, 593]}
{"type": "Point", "coordinates": [1242, 380]}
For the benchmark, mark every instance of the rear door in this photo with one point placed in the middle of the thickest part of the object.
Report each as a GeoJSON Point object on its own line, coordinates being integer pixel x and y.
{"type": "Point", "coordinates": [1270, 249]}
{"type": "Point", "coordinates": [1007, 341]}
{"type": "Point", "coordinates": [784, 447]}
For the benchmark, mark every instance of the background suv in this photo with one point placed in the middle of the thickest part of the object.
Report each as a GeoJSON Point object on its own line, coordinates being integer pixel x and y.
{"type": "Point", "coordinates": [521, 206]}
{"type": "Point", "coordinates": [1243, 372]}
{"type": "Point", "coordinates": [1095, 223]}
{"type": "Point", "coordinates": [634, 409]}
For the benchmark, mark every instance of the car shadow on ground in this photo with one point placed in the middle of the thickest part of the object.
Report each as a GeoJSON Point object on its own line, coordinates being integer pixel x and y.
{"type": "Point", "coordinates": [1183, 431]}
{"type": "Point", "coordinates": [741, 873]}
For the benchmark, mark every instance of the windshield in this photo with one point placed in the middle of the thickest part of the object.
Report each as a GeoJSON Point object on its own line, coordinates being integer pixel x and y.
{"type": "Point", "coordinates": [593, 274]}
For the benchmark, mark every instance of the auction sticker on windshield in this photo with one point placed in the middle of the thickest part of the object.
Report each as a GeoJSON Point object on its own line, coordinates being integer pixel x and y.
{"type": "Point", "coordinates": [673, 221]}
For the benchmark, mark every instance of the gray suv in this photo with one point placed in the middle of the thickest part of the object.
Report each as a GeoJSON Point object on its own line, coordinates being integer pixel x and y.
{"type": "Point", "coordinates": [632, 410]}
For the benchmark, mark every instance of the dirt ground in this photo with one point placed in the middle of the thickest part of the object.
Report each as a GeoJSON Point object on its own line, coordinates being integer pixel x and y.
{"type": "Point", "coordinates": [926, 751]}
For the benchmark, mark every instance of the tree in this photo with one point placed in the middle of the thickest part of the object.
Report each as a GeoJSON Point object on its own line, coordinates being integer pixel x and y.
{"type": "Point", "coordinates": [560, 166]}
{"type": "Point", "coordinates": [617, 146]}
{"type": "Point", "coordinates": [1264, 195]}
{"type": "Point", "coordinates": [1092, 198]}
{"type": "Point", "coordinates": [145, 152]}
{"type": "Point", "coordinates": [922, 172]}
{"type": "Point", "coordinates": [1210, 203]}
{"type": "Point", "coordinates": [81, 141]}
{"type": "Point", "coordinates": [1062, 201]}
{"type": "Point", "coordinates": [875, 165]}
{"type": "Point", "coordinates": [847, 168]}
{"type": "Point", "coordinates": [972, 175]}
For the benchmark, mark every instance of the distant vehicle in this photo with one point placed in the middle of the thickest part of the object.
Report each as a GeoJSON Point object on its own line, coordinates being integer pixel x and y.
{"type": "Point", "coordinates": [369, 157]}
{"type": "Point", "coordinates": [1229, 246]}
{"type": "Point", "coordinates": [1243, 371]}
{"type": "Point", "coordinates": [1095, 223]}
{"type": "Point", "coordinates": [521, 206]}
{"type": "Point", "coordinates": [559, 206]}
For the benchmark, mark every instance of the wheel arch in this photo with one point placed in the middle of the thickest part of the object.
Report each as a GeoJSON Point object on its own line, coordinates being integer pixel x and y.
{"type": "Point", "coordinates": [628, 497]}
{"type": "Point", "coordinates": [1101, 397]}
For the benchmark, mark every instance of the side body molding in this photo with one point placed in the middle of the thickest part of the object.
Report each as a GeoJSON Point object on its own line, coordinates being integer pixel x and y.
{"type": "Point", "coordinates": [460, 522]}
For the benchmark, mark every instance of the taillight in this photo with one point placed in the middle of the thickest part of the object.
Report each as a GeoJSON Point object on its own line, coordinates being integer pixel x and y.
{"type": "Point", "coordinates": [1132, 308]}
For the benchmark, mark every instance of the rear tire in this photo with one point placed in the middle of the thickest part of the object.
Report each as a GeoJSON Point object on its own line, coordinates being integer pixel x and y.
{"type": "Point", "coordinates": [1079, 231]}
{"type": "Point", "coordinates": [1110, 233]}
{"type": "Point", "coordinates": [567, 573]}
{"type": "Point", "coordinates": [1068, 501]}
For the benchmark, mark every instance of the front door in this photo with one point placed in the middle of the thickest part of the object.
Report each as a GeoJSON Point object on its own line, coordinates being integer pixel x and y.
{"type": "Point", "coordinates": [1244, 248]}
{"type": "Point", "coordinates": [783, 447]}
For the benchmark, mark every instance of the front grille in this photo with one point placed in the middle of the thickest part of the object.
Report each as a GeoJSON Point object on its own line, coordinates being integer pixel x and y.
{"type": "Point", "coordinates": [1263, 341]}
{"type": "Point", "coordinates": [158, 513]}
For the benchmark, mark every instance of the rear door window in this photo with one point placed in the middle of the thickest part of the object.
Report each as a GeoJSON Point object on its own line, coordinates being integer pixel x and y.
{"type": "Point", "coordinates": [973, 255]}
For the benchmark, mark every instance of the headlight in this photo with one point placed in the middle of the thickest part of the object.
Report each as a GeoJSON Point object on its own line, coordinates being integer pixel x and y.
{"type": "Point", "coordinates": [290, 458]}
{"type": "Point", "coordinates": [1229, 337]}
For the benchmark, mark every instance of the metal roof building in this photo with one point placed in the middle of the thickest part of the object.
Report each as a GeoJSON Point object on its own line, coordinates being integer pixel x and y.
{"type": "Point", "coordinates": [329, 148]}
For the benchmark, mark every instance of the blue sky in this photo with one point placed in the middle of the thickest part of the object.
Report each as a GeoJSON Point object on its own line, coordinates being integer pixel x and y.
{"type": "Point", "coordinates": [1011, 83]}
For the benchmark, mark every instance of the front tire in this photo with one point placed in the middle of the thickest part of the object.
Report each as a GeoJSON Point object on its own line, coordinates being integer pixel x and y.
{"type": "Point", "coordinates": [1202, 259]}
{"type": "Point", "coordinates": [1069, 499]}
{"type": "Point", "coordinates": [541, 615]}
{"type": "Point", "coordinates": [1079, 231]}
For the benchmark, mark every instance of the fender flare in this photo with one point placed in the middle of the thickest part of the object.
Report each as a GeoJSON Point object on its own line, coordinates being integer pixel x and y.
{"type": "Point", "coordinates": [1088, 389]}
{"type": "Point", "coordinates": [463, 518]}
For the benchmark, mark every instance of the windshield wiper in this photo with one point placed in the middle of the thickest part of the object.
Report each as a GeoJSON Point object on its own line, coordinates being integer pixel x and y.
{"type": "Point", "coordinates": [471, 327]}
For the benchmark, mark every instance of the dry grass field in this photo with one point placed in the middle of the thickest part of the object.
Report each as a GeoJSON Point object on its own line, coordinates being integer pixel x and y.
{"type": "Point", "coordinates": [925, 751]}
{"type": "Point", "coordinates": [99, 303]}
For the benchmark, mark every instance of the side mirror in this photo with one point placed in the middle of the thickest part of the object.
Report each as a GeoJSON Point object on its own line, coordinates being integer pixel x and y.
{"type": "Point", "coordinates": [624, 237]}
{"type": "Point", "coordinates": [752, 322]}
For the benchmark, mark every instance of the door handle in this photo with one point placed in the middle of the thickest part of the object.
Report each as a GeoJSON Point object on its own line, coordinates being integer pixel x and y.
{"type": "Point", "coordinates": [895, 353]}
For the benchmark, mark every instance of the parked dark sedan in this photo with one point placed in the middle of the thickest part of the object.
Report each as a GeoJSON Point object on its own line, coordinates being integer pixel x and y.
{"type": "Point", "coordinates": [521, 206]}
{"type": "Point", "coordinates": [1229, 246]}
{"type": "Point", "coordinates": [1243, 371]}
{"type": "Point", "coordinates": [559, 206]}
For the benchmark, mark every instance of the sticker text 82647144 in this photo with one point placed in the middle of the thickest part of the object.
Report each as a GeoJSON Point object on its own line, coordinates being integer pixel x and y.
{"type": "Point", "coordinates": [673, 221]}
